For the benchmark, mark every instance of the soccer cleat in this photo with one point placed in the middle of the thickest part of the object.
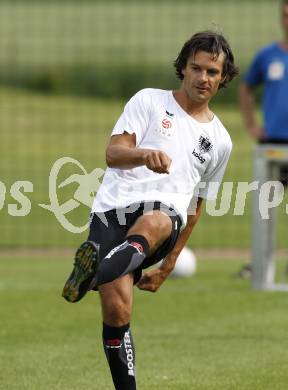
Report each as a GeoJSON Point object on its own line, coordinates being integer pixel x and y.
{"type": "Point", "coordinates": [85, 268]}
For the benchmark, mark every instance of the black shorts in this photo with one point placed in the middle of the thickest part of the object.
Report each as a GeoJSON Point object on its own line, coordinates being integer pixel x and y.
{"type": "Point", "coordinates": [110, 228]}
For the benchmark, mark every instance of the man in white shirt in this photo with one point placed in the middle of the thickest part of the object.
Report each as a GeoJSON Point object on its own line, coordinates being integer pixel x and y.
{"type": "Point", "coordinates": [166, 150]}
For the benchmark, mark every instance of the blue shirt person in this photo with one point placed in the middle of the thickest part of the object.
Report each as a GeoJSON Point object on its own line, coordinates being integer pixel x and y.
{"type": "Point", "coordinates": [269, 68]}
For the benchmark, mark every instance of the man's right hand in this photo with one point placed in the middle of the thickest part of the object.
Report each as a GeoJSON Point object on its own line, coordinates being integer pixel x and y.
{"type": "Point", "coordinates": [156, 160]}
{"type": "Point", "coordinates": [122, 153]}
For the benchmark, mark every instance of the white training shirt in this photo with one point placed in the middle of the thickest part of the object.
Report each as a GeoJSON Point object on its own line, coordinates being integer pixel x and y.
{"type": "Point", "coordinates": [199, 153]}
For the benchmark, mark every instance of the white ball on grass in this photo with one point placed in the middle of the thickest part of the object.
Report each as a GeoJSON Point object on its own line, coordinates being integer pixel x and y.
{"type": "Point", "coordinates": [186, 264]}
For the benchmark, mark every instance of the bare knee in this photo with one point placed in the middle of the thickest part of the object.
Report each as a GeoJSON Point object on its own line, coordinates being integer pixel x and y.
{"type": "Point", "coordinates": [155, 228]}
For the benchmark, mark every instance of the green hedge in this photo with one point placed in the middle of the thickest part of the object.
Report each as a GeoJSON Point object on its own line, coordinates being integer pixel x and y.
{"type": "Point", "coordinates": [104, 82]}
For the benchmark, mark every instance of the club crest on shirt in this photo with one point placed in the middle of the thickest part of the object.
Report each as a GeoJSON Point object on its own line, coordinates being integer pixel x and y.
{"type": "Point", "coordinates": [205, 145]}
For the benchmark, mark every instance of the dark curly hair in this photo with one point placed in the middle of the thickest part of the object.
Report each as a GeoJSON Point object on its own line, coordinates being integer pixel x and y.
{"type": "Point", "coordinates": [210, 42]}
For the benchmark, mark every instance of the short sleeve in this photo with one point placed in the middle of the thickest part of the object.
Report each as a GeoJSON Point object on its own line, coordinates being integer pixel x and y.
{"type": "Point", "coordinates": [135, 117]}
{"type": "Point", "coordinates": [211, 180]}
{"type": "Point", "coordinates": [255, 74]}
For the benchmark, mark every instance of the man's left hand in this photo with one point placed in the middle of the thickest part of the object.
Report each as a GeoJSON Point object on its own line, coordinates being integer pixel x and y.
{"type": "Point", "coordinates": [152, 280]}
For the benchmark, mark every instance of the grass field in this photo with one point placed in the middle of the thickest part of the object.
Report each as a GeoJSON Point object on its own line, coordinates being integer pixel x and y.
{"type": "Point", "coordinates": [210, 332]}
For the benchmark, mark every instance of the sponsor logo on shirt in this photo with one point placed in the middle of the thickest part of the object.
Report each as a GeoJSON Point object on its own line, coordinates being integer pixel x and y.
{"type": "Point", "coordinates": [200, 158]}
{"type": "Point", "coordinates": [166, 124]}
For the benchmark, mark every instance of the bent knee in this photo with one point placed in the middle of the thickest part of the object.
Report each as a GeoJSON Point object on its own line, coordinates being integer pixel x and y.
{"type": "Point", "coordinates": [155, 228]}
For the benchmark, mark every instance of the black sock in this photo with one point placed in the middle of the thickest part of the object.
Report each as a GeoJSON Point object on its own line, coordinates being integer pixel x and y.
{"type": "Point", "coordinates": [120, 353]}
{"type": "Point", "coordinates": [123, 259]}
